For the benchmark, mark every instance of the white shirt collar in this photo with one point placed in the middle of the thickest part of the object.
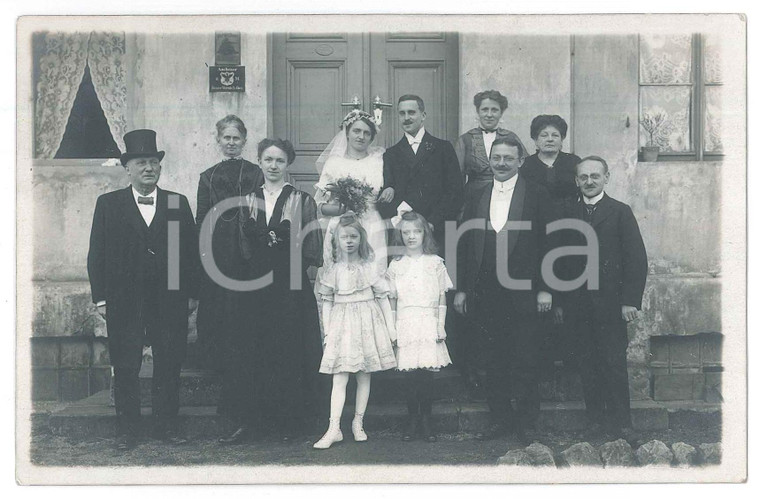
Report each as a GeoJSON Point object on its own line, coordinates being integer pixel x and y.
{"type": "Point", "coordinates": [507, 185]}
{"type": "Point", "coordinates": [272, 193]}
{"type": "Point", "coordinates": [137, 194]}
{"type": "Point", "coordinates": [417, 138]}
{"type": "Point", "coordinates": [594, 199]}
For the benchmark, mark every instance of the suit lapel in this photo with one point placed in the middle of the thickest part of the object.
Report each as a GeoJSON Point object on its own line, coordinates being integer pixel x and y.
{"type": "Point", "coordinates": [516, 212]}
{"type": "Point", "coordinates": [159, 219]}
{"type": "Point", "coordinates": [423, 151]}
{"type": "Point", "coordinates": [601, 212]}
{"type": "Point", "coordinates": [132, 213]}
{"type": "Point", "coordinates": [483, 212]}
{"type": "Point", "coordinates": [407, 153]}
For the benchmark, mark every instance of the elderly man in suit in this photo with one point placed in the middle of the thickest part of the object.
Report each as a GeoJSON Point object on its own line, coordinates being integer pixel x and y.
{"type": "Point", "coordinates": [422, 171]}
{"type": "Point", "coordinates": [500, 284]}
{"type": "Point", "coordinates": [598, 316]}
{"type": "Point", "coordinates": [143, 265]}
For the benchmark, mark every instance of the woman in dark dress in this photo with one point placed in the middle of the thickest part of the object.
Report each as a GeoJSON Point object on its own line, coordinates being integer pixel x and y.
{"type": "Point", "coordinates": [555, 170]}
{"type": "Point", "coordinates": [549, 166]}
{"type": "Point", "coordinates": [233, 177]}
{"type": "Point", "coordinates": [273, 376]}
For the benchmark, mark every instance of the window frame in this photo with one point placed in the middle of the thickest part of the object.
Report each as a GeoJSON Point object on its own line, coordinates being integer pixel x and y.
{"type": "Point", "coordinates": [697, 109]}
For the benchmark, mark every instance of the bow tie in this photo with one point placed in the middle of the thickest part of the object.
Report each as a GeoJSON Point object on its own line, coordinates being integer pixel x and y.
{"type": "Point", "coordinates": [487, 131]}
{"type": "Point", "coordinates": [415, 141]}
{"type": "Point", "coordinates": [144, 200]}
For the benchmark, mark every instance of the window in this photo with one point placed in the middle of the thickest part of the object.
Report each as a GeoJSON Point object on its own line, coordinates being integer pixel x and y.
{"type": "Point", "coordinates": [680, 96]}
{"type": "Point", "coordinates": [80, 94]}
{"type": "Point", "coordinates": [87, 134]}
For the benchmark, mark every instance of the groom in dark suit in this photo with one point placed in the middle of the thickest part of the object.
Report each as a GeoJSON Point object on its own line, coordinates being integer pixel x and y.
{"type": "Point", "coordinates": [598, 316]}
{"type": "Point", "coordinates": [500, 285]}
{"type": "Point", "coordinates": [422, 171]}
{"type": "Point", "coordinates": [143, 266]}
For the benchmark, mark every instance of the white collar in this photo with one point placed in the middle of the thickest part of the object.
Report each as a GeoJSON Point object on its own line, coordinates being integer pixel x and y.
{"type": "Point", "coordinates": [507, 185]}
{"type": "Point", "coordinates": [267, 191]}
{"type": "Point", "coordinates": [137, 194]}
{"type": "Point", "coordinates": [417, 138]}
{"type": "Point", "coordinates": [227, 158]}
{"type": "Point", "coordinates": [594, 199]}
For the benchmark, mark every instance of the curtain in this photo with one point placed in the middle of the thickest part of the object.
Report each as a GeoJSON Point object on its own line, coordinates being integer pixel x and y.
{"type": "Point", "coordinates": [62, 65]}
{"type": "Point", "coordinates": [106, 57]}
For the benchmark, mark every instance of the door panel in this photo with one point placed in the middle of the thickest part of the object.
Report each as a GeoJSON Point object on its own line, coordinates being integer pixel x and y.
{"type": "Point", "coordinates": [425, 64]}
{"type": "Point", "coordinates": [314, 73]}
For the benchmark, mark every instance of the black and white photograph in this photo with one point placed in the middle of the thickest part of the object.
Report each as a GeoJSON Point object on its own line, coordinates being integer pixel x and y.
{"type": "Point", "coordinates": [413, 248]}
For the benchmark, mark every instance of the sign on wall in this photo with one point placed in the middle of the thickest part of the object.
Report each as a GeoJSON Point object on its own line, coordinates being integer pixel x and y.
{"type": "Point", "coordinates": [226, 79]}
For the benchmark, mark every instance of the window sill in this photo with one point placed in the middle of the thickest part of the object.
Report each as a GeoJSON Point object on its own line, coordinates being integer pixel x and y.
{"type": "Point", "coordinates": [88, 162]}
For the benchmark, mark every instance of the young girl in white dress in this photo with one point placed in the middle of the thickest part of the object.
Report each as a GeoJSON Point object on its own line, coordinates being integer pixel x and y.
{"type": "Point", "coordinates": [419, 281]}
{"type": "Point", "coordinates": [358, 324]}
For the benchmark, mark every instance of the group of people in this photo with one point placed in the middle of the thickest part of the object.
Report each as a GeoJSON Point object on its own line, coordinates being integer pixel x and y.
{"type": "Point", "coordinates": [383, 297]}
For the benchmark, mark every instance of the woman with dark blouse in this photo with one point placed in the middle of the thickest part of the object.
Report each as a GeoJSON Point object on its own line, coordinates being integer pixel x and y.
{"type": "Point", "coordinates": [231, 178]}
{"type": "Point", "coordinates": [474, 146]}
{"type": "Point", "coordinates": [272, 381]}
{"type": "Point", "coordinates": [555, 170]}
{"type": "Point", "coordinates": [549, 166]}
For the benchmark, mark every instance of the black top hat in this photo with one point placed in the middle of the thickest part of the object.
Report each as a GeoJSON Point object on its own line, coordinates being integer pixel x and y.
{"type": "Point", "coordinates": [140, 144]}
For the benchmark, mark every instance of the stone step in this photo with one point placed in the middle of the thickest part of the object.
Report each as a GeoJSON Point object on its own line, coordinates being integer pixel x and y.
{"type": "Point", "coordinates": [95, 417]}
{"type": "Point", "coordinates": [201, 387]}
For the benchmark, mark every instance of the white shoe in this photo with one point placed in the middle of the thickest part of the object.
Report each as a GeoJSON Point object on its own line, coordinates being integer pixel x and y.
{"type": "Point", "coordinates": [333, 435]}
{"type": "Point", "coordinates": [357, 427]}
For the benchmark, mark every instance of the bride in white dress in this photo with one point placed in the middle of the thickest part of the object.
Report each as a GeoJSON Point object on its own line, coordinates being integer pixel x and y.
{"type": "Point", "coordinates": [351, 154]}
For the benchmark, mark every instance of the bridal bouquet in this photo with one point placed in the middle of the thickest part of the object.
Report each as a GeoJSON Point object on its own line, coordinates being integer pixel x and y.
{"type": "Point", "coordinates": [351, 193]}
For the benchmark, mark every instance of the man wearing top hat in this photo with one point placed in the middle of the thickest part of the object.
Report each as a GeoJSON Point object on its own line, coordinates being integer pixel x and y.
{"type": "Point", "coordinates": [143, 267]}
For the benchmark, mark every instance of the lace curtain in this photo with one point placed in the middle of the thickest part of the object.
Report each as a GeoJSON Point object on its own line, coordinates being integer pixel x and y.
{"type": "Point", "coordinates": [61, 68]}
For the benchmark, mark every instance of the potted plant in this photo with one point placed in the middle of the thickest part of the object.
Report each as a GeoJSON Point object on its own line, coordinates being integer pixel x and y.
{"type": "Point", "coordinates": [651, 122]}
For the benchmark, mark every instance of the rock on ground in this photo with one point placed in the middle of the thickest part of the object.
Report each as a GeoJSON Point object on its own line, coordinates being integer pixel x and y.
{"type": "Point", "coordinates": [515, 458]}
{"type": "Point", "coordinates": [654, 453]}
{"type": "Point", "coordinates": [581, 454]}
{"type": "Point", "coordinates": [684, 454]}
{"type": "Point", "coordinates": [540, 455]}
{"type": "Point", "coordinates": [710, 453]}
{"type": "Point", "coordinates": [617, 453]}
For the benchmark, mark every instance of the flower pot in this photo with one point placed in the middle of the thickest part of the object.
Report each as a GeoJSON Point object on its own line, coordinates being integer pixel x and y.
{"type": "Point", "coordinates": [649, 153]}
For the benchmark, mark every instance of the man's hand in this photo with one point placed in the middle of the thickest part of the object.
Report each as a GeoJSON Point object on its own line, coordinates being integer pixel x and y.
{"type": "Point", "coordinates": [192, 305]}
{"type": "Point", "coordinates": [460, 302]}
{"type": "Point", "coordinates": [102, 310]}
{"type": "Point", "coordinates": [387, 195]}
{"type": "Point", "coordinates": [630, 313]}
{"type": "Point", "coordinates": [559, 316]}
{"type": "Point", "coordinates": [544, 301]}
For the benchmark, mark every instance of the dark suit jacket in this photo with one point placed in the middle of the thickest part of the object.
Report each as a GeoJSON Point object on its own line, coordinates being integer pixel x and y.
{"type": "Point", "coordinates": [119, 258]}
{"type": "Point", "coordinates": [622, 259]}
{"type": "Point", "coordinates": [526, 248]}
{"type": "Point", "coordinates": [429, 181]}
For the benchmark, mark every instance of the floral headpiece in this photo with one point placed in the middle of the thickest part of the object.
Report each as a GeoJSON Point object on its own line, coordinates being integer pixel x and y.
{"type": "Point", "coordinates": [354, 116]}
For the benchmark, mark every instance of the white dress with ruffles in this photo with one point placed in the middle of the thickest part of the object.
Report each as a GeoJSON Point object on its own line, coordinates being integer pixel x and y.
{"type": "Point", "coordinates": [417, 283]}
{"type": "Point", "coordinates": [357, 339]}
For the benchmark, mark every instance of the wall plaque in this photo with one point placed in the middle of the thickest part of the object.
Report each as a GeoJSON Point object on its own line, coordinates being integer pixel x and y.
{"type": "Point", "coordinates": [226, 79]}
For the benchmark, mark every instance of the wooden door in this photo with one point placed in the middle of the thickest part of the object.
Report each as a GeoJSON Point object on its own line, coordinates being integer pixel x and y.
{"type": "Point", "coordinates": [312, 74]}
{"type": "Point", "coordinates": [425, 64]}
